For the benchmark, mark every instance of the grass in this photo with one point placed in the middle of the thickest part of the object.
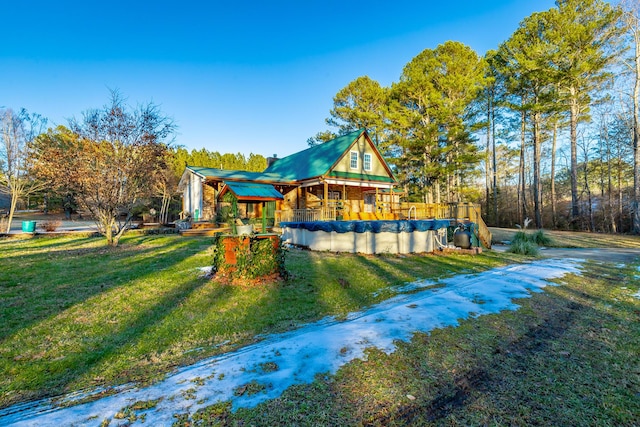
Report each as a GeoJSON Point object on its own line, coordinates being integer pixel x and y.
{"type": "Point", "coordinates": [78, 315]}
{"type": "Point", "coordinates": [567, 357]}
{"type": "Point", "coordinates": [570, 239]}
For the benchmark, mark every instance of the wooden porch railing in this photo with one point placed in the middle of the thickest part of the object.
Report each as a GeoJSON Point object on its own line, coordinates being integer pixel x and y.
{"type": "Point", "coordinates": [306, 215]}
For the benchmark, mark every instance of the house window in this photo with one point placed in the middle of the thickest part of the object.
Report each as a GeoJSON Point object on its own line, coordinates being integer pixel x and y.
{"type": "Point", "coordinates": [367, 162]}
{"type": "Point", "coordinates": [353, 164]}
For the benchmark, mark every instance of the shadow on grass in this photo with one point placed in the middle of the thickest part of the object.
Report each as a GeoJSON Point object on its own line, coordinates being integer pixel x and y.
{"type": "Point", "coordinates": [177, 314]}
{"type": "Point", "coordinates": [54, 329]}
{"type": "Point", "coordinates": [56, 274]}
{"type": "Point", "coordinates": [559, 360]}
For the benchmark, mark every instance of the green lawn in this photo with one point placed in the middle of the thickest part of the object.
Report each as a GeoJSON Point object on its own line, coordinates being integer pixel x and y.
{"type": "Point", "coordinates": [567, 357]}
{"type": "Point", "coordinates": [76, 314]}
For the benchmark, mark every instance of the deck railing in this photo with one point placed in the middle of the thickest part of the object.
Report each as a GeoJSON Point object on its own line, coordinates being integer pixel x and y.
{"type": "Point", "coordinates": [453, 211]}
{"type": "Point", "coordinates": [458, 212]}
{"type": "Point", "coordinates": [306, 215]}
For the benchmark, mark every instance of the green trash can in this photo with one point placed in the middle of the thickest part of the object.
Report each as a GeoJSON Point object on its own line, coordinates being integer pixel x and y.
{"type": "Point", "coordinates": [28, 226]}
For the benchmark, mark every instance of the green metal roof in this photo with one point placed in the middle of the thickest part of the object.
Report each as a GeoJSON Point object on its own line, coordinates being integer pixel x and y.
{"type": "Point", "coordinates": [314, 161]}
{"type": "Point", "coordinates": [311, 163]}
{"type": "Point", "coordinates": [226, 174]}
{"type": "Point", "coordinates": [253, 191]}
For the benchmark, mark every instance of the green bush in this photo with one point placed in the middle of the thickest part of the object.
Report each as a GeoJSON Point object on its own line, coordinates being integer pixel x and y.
{"type": "Point", "coordinates": [255, 257]}
{"type": "Point", "coordinates": [523, 247]}
{"type": "Point", "coordinates": [541, 239]}
{"type": "Point", "coordinates": [520, 237]}
{"type": "Point", "coordinates": [527, 244]}
{"type": "Point", "coordinates": [537, 237]}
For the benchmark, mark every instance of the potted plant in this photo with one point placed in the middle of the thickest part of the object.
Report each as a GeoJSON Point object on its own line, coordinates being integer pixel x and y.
{"type": "Point", "coordinates": [242, 228]}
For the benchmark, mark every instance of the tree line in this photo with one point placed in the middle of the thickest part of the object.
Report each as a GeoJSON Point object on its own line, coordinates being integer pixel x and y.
{"type": "Point", "coordinates": [543, 127]}
{"type": "Point", "coordinates": [111, 162]}
{"type": "Point", "coordinates": [546, 126]}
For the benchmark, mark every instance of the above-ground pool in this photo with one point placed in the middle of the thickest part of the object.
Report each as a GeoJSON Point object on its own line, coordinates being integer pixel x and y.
{"type": "Point", "coordinates": [368, 237]}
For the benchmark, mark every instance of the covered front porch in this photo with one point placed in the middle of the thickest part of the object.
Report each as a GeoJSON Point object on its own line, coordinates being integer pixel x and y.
{"type": "Point", "coordinates": [332, 200]}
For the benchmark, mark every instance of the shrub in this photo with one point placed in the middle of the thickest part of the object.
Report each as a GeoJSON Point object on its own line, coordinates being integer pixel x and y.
{"type": "Point", "coordinates": [537, 238]}
{"type": "Point", "coordinates": [520, 237]}
{"type": "Point", "coordinates": [252, 257]}
{"type": "Point", "coordinates": [523, 247]}
{"type": "Point", "coordinates": [540, 238]}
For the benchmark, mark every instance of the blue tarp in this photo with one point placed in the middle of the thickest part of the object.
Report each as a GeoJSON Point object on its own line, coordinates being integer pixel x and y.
{"type": "Point", "coordinates": [395, 226]}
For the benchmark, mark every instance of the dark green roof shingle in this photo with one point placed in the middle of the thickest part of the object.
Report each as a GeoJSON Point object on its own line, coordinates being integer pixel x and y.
{"type": "Point", "coordinates": [252, 190]}
{"type": "Point", "coordinates": [234, 175]}
{"type": "Point", "coordinates": [314, 161]}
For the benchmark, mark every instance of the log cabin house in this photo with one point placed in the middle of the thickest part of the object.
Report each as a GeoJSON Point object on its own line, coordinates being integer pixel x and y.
{"type": "Point", "coordinates": [345, 178]}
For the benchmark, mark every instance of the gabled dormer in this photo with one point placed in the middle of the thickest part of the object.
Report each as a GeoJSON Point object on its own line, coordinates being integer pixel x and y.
{"type": "Point", "coordinates": [351, 157]}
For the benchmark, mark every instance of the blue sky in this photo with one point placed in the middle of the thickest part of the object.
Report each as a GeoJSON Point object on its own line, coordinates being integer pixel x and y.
{"type": "Point", "coordinates": [243, 76]}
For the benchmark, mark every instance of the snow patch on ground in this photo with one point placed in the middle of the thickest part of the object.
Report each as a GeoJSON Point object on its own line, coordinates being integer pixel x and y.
{"type": "Point", "coordinates": [282, 360]}
{"type": "Point", "coordinates": [206, 271]}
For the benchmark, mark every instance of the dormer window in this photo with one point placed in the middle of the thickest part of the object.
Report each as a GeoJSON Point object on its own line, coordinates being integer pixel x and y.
{"type": "Point", "coordinates": [353, 164]}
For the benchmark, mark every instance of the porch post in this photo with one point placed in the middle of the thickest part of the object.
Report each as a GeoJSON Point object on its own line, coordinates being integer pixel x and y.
{"type": "Point", "coordinates": [375, 206]}
{"type": "Point", "coordinates": [326, 195]}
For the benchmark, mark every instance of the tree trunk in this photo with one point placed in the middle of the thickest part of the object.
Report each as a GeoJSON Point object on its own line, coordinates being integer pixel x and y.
{"type": "Point", "coordinates": [494, 169]}
{"type": "Point", "coordinates": [12, 209]}
{"type": "Point", "coordinates": [522, 205]}
{"type": "Point", "coordinates": [591, 223]}
{"type": "Point", "coordinates": [108, 232]}
{"type": "Point", "coordinates": [573, 119]}
{"type": "Point", "coordinates": [164, 211]}
{"type": "Point", "coordinates": [619, 179]}
{"type": "Point", "coordinates": [488, 168]}
{"type": "Point", "coordinates": [448, 187]}
{"type": "Point", "coordinates": [620, 210]}
{"type": "Point", "coordinates": [554, 214]}
{"type": "Point", "coordinates": [537, 193]}
{"type": "Point", "coordinates": [636, 137]}
{"type": "Point", "coordinates": [612, 217]}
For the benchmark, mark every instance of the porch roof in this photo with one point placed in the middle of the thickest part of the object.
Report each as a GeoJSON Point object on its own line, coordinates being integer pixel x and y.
{"type": "Point", "coordinates": [251, 191]}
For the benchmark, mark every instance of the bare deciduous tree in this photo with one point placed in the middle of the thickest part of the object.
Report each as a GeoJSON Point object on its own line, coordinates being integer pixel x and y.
{"type": "Point", "coordinates": [117, 153]}
{"type": "Point", "coordinates": [17, 131]}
